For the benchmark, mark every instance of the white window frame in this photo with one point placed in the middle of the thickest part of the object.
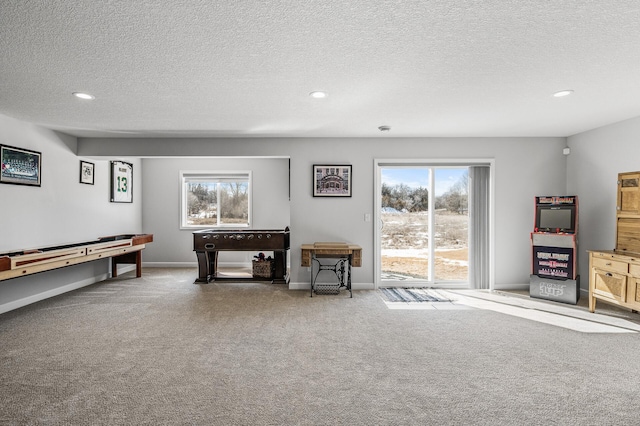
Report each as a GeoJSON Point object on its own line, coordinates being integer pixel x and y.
{"type": "Point", "coordinates": [213, 176]}
{"type": "Point", "coordinates": [378, 163]}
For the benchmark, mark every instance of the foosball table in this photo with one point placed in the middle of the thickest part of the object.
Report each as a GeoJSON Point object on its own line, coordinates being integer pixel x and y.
{"type": "Point", "coordinates": [209, 243]}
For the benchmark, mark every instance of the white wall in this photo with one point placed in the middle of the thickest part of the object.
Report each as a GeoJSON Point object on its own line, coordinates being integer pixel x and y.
{"type": "Point", "coordinates": [524, 168]}
{"type": "Point", "coordinates": [596, 159]}
{"type": "Point", "coordinates": [161, 203]}
{"type": "Point", "coordinates": [61, 210]}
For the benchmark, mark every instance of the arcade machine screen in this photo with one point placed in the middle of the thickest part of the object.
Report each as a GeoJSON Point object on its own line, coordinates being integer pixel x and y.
{"type": "Point", "coordinates": [556, 218]}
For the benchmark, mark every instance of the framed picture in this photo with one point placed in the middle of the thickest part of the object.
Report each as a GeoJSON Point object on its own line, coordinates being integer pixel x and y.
{"type": "Point", "coordinates": [331, 180]}
{"type": "Point", "coordinates": [86, 172]}
{"type": "Point", "coordinates": [20, 166]}
{"type": "Point", "coordinates": [121, 182]}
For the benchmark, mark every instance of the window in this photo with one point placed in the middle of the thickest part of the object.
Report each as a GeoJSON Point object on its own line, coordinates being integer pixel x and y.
{"type": "Point", "coordinates": [215, 199]}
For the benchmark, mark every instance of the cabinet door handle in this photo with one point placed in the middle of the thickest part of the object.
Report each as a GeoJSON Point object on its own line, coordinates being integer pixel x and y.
{"type": "Point", "coordinates": [608, 274]}
{"type": "Point", "coordinates": [608, 263]}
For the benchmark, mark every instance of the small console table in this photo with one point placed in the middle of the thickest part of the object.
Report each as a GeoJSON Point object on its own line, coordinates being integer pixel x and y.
{"type": "Point", "coordinates": [346, 256]}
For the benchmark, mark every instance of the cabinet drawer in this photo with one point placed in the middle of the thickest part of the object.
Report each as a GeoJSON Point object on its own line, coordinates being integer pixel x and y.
{"type": "Point", "coordinates": [610, 284]}
{"type": "Point", "coordinates": [610, 265]}
{"type": "Point", "coordinates": [634, 270]}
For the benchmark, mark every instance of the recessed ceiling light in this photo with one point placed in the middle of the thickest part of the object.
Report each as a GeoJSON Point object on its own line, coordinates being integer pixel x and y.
{"type": "Point", "coordinates": [563, 93]}
{"type": "Point", "coordinates": [318, 95]}
{"type": "Point", "coordinates": [83, 95]}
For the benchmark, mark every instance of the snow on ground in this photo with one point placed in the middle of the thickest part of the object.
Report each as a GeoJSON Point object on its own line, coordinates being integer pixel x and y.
{"type": "Point", "coordinates": [419, 254]}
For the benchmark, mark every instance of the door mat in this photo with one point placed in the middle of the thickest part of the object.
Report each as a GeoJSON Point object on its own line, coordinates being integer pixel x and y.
{"type": "Point", "coordinates": [414, 295]}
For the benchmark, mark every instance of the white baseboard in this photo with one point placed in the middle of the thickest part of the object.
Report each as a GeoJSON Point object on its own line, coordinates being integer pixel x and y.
{"type": "Point", "coordinates": [363, 286]}
{"type": "Point", "coordinates": [512, 287]}
{"type": "Point", "coordinates": [298, 286]}
{"type": "Point", "coordinates": [50, 293]}
{"type": "Point", "coordinates": [354, 286]}
{"type": "Point", "coordinates": [122, 269]}
{"type": "Point", "coordinates": [169, 264]}
{"type": "Point", "coordinates": [194, 265]}
{"type": "Point", "coordinates": [19, 303]}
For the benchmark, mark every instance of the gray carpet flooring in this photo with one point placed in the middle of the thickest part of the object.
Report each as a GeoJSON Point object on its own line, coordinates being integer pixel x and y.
{"type": "Point", "coordinates": [159, 350]}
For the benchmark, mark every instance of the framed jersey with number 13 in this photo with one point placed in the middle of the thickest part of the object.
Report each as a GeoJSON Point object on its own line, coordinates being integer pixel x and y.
{"type": "Point", "coordinates": [121, 182]}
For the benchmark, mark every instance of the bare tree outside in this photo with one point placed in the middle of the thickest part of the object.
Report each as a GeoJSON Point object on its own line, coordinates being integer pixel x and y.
{"type": "Point", "coordinates": [217, 203]}
{"type": "Point", "coordinates": [234, 206]}
{"type": "Point", "coordinates": [405, 232]}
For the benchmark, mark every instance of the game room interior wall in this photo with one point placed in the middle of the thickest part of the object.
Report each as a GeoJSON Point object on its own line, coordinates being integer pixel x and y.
{"type": "Point", "coordinates": [596, 157]}
{"type": "Point", "coordinates": [524, 168]}
{"type": "Point", "coordinates": [78, 211]}
{"type": "Point", "coordinates": [173, 246]}
{"type": "Point", "coordinates": [61, 210]}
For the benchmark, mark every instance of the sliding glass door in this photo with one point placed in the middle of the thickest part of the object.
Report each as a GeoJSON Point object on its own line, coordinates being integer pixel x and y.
{"type": "Point", "coordinates": [405, 224]}
{"type": "Point", "coordinates": [424, 225]}
{"type": "Point", "coordinates": [451, 225]}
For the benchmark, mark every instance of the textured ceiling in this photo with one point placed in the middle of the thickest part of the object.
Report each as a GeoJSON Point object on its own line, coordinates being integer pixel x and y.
{"type": "Point", "coordinates": [245, 68]}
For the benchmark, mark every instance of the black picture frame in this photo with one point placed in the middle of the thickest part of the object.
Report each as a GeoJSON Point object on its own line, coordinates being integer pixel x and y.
{"type": "Point", "coordinates": [87, 171]}
{"type": "Point", "coordinates": [19, 166]}
{"type": "Point", "coordinates": [332, 180]}
{"type": "Point", "coordinates": [121, 182]}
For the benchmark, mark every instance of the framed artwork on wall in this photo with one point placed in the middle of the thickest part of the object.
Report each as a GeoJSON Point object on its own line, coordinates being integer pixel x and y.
{"type": "Point", "coordinates": [20, 166]}
{"type": "Point", "coordinates": [332, 180]}
{"type": "Point", "coordinates": [86, 172]}
{"type": "Point", "coordinates": [121, 182]}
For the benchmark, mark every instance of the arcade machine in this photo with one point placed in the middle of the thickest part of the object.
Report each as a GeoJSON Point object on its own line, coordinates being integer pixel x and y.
{"type": "Point", "coordinates": [554, 249]}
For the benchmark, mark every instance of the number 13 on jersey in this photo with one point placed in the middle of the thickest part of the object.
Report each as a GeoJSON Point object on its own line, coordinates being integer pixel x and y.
{"type": "Point", "coordinates": [121, 180]}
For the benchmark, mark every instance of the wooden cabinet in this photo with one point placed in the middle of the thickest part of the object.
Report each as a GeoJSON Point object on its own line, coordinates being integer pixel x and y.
{"type": "Point", "coordinates": [628, 235]}
{"type": "Point", "coordinates": [628, 194]}
{"type": "Point", "coordinates": [614, 278]}
{"type": "Point", "coordinates": [628, 213]}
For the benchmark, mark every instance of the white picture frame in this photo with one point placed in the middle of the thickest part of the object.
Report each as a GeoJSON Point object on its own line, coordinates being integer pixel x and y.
{"type": "Point", "coordinates": [121, 182]}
